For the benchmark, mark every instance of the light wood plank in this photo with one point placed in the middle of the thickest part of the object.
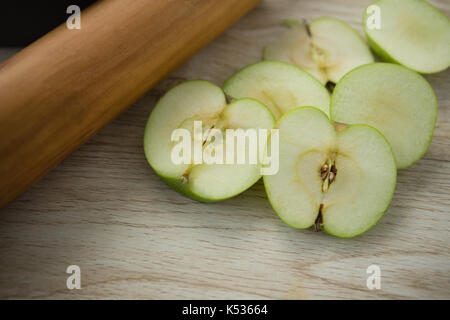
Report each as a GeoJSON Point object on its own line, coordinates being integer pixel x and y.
{"type": "Point", "coordinates": [105, 210]}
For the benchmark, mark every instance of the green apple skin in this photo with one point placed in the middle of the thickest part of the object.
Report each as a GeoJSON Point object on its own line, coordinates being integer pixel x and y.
{"type": "Point", "coordinates": [385, 56]}
{"type": "Point", "coordinates": [380, 52]}
{"type": "Point", "coordinates": [183, 189]}
{"type": "Point", "coordinates": [434, 103]}
{"type": "Point", "coordinates": [325, 229]}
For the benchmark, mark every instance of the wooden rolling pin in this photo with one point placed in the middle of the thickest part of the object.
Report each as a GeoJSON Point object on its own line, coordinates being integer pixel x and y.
{"type": "Point", "coordinates": [59, 91]}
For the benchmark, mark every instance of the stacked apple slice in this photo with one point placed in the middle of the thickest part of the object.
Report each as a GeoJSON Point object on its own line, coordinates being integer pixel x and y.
{"type": "Point", "coordinates": [338, 157]}
{"type": "Point", "coordinates": [280, 86]}
{"type": "Point", "coordinates": [180, 108]}
{"type": "Point", "coordinates": [410, 32]}
{"type": "Point", "coordinates": [326, 47]}
{"type": "Point", "coordinates": [338, 181]}
{"type": "Point", "coordinates": [395, 100]}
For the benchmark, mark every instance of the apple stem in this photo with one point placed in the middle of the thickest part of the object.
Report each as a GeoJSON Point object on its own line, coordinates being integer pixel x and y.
{"type": "Point", "coordinates": [184, 178]}
{"type": "Point", "coordinates": [228, 98]}
{"type": "Point", "coordinates": [308, 29]}
{"type": "Point", "coordinates": [330, 86]}
{"type": "Point", "coordinates": [319, 220]}
{"type": "Point", "coordinates": [339, 126]}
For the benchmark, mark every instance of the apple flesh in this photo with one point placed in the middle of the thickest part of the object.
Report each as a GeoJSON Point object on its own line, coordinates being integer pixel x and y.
{"type": "Point", "coordinates": [326, 47]}
{"type": "Point", "coordinates": [339, 181]}
{"type": "Point", "coordinates": [180, 107]}
{"type": "Point", "coordinates": [413, 33]}
{"type": "Point", "coordinates": [395, 100]}
{"type": "Point", "coordinates": [278, 85]}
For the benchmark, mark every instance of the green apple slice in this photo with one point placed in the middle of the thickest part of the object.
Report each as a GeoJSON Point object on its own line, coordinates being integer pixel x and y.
{"type": "Point", "coordinates": [413, 33]}
{"type": "Point", "coordinates": [338, 181]}
{"type": "Point", "coordinates": [327, 48]}
{"type": "Point", "coordinates": [180, 107]}
{"type": "Point", "coordinates": [278, 85]}
{"type": "Point", "coordinates": [395, 100]}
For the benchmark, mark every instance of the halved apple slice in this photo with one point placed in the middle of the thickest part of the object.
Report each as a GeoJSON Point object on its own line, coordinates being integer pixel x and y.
{"type": "Point", "coordinates": [413, 33]}
{"type": "Point", "coordinates": [338, 181]}
{"type": "Point", "coordinates": [395, 100]}
{"type": "Point", "coordinates": [180, 108]}
{"type": "Point", "coordinates": [326, 47]}
{"type": "Point", "coordinates": [278, 85]}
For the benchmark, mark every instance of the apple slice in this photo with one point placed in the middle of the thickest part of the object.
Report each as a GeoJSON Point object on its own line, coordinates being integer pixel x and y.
{"type": "Point", "coordinates": [395, 100]}
{"type": "Point", "coordinates": [179, 108]}
{"type": "Point", "coordinates": [278, 85]}
{"type": "Point", "coordinates": [327, 48]}
{"type": "Point", "coordinates": [413, 33]}
{"type": "Point", "coordinates": [338, 181]}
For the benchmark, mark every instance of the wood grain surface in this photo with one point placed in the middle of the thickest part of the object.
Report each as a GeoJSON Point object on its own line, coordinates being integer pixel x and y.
{"type": "Point", "coordinates": [106, 211]}
{"type": "Point", "coordinates": [62, 89]}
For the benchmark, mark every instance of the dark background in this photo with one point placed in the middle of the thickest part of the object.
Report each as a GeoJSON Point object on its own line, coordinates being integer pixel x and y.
{"type": "Point", "coordinates": [24, 21]}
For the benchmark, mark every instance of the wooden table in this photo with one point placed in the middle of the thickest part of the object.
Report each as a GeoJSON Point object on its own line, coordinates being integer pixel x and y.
{"type": "Point", "coordinates": [106, 211]}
